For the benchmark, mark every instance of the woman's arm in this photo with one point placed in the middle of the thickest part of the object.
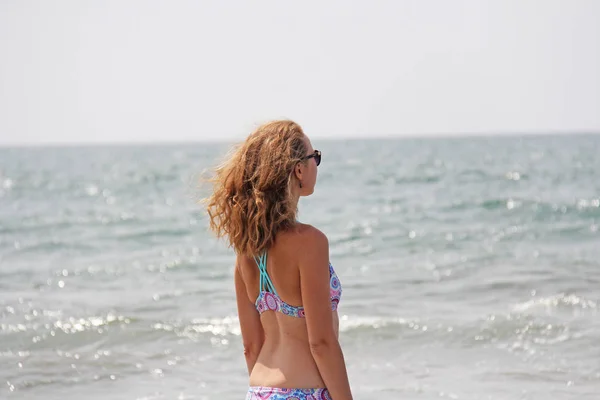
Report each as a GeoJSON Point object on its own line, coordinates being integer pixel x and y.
{"type": "Point", "coordinates": [314, 285]}
{"type": "Point", "coordinates": [250, 325]}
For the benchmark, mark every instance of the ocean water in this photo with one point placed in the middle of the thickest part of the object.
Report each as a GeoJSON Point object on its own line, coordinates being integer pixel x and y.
{"type": "Point", "coordinates": [470, 268]}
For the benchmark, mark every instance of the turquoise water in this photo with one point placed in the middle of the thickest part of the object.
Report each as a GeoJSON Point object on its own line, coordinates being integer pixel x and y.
{"type": "Point", "coordinates": [470, 268]}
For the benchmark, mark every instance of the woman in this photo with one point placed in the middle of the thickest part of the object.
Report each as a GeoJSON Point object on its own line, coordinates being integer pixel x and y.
{"type": "Point", "coordinates": [287, 291]}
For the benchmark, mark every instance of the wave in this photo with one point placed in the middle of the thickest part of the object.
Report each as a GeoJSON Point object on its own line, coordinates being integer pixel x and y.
{"type": "Point", "coordinates": [387, 179]}
{"type": "Point", "coordinates": [560, 301]}
{"type": "Point", "coordinates": [154, 233]}
{"type": "Point", "coordinates": [69, 325]}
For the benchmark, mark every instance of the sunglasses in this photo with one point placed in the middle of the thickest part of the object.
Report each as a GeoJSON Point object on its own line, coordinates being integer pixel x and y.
{"type": "Point", "coordinates": [316, 155]}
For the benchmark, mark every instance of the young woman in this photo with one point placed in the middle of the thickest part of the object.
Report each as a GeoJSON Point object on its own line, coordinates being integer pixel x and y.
{"type": "Point", "coordinates": [287, 291]}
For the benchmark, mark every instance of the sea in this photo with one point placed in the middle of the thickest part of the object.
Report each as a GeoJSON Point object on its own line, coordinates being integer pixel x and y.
{"type": "Point", "coordinates": [470, 269]}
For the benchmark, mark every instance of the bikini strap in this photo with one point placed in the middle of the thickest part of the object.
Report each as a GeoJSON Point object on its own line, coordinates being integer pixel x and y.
{"type": "Point", "coordinates": [265, 283]}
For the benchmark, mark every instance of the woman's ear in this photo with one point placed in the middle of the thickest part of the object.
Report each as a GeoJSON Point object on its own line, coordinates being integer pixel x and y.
{"type": "Point", "coordinates": [298, 171]}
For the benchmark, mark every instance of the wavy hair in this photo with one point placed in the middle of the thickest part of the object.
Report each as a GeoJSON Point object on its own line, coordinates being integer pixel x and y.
{"type": "Point", "coordinates": [252, 190]}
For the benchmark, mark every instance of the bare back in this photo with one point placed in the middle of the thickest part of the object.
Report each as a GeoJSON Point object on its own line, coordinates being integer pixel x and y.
{"type": "Point", "coordinates": [285, 359]}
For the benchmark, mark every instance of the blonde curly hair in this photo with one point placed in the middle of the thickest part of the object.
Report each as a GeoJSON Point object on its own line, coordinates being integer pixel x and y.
{"type": "Point", "coordinates": [252, 196]}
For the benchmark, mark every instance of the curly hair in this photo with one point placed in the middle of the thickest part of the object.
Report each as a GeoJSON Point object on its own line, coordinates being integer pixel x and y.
{"type": "Point", "coordinates": [252, 194]}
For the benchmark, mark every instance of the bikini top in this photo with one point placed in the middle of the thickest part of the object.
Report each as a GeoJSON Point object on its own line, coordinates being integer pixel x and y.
{"type": "Point", "coordinates": [268, 299]}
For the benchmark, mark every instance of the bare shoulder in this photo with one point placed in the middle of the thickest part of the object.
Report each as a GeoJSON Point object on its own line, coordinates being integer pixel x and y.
{"type": "Point", "coordinates": [242, 259]}
{"type": "Point", "coordinates": [314, 235]}
{"type": "Point", "coordinates": [242, 262]}
{"type": "Point", "coordinates": [305, 234]}
{"type": "Point", "coordinates": [309, 242]}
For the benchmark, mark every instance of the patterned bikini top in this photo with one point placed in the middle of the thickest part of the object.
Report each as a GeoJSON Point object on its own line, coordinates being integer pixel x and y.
{"type": "Point", "coordinates": [268, 299]}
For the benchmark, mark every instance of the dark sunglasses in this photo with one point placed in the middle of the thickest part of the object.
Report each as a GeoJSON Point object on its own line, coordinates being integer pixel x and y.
{"type": "Point", "coordinates": [316, 155]}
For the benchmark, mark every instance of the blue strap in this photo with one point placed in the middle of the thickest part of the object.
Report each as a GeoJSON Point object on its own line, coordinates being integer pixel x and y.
{"type": "Point", "coordinates": [265, 282]}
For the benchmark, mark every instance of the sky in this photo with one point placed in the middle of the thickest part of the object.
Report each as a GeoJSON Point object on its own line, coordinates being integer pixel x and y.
{"type": "Point", "coordinates": [151, 71]}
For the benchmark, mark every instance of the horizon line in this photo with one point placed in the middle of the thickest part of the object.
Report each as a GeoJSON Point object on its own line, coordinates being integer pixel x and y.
{"type": "Point", "coordinates": [231, 140]}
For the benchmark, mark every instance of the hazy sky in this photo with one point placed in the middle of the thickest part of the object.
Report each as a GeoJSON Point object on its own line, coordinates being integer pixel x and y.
{"type": "Point", "coordinates": [147, 70]}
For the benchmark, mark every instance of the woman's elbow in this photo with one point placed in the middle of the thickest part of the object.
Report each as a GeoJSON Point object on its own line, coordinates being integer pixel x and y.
{"type": "Point", "coordinates": [322, 346]}
{"type": "Point", "coordinates": [251, 350]}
